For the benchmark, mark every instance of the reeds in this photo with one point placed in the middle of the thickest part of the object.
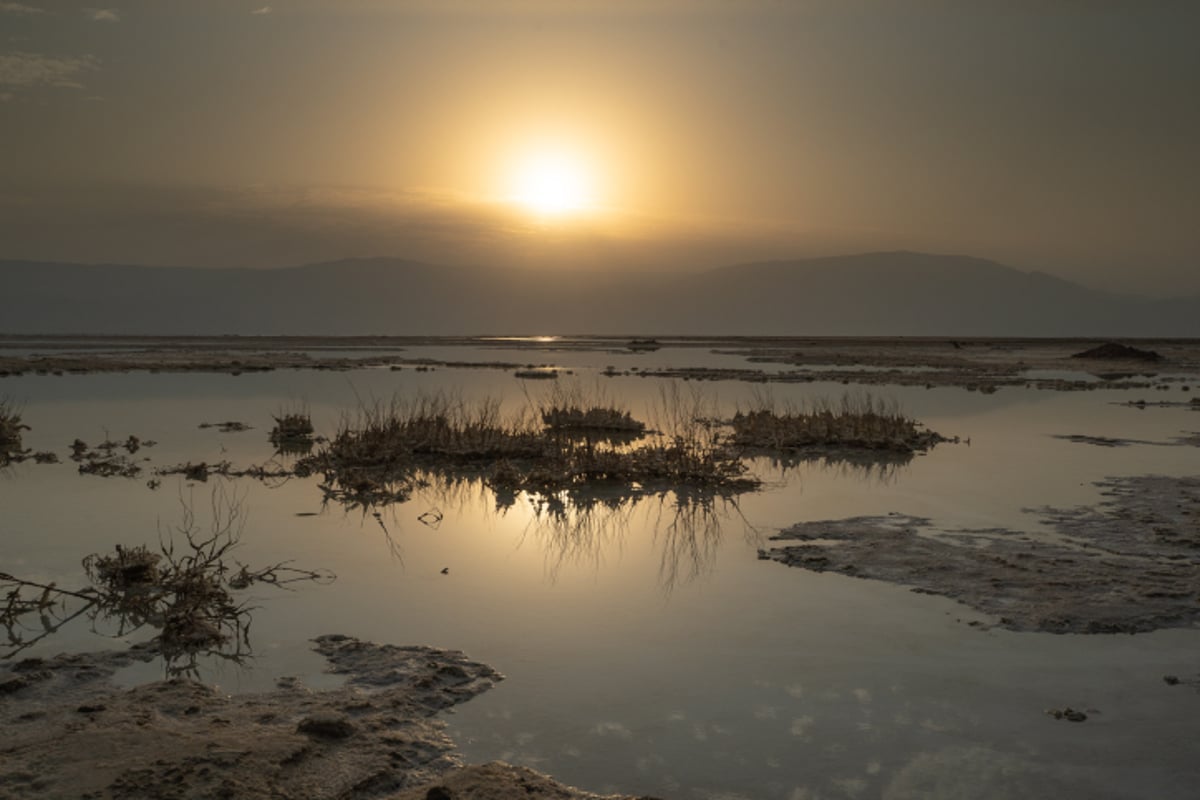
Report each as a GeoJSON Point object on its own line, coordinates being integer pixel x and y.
{"type": "Point", "coordinates": [859, 421]}
{"type": "Point", "coordinates": [562, 442]}
{"type": "Point", "coordinates": [442, 426]}
{"type": "Point", "coordinates": [377, 455]}
{"type": "Point", "coordinates": [568, 408]}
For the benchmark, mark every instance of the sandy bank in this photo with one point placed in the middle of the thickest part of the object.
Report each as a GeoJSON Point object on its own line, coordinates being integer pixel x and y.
{"type": "Point", "coordinates": [70, 732]}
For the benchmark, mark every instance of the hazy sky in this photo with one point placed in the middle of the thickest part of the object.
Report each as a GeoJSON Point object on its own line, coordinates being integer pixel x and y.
{"type": "Point", "coordinates": [1062, 136]}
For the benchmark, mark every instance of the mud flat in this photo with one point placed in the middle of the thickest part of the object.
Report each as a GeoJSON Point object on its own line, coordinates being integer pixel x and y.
{"type": "Point", "coordinates": [976, 364]}
{"type": "Point", "coordinates": [1185, 439]}
{"type": "Point", "coordinates": [1129, 565]}
{"type": "Point", "coordinates": [984, 365]}
{"type": "Point", "coordinates": [69, 731]}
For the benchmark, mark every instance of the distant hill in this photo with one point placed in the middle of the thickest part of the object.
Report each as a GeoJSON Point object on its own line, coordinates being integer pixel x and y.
{"type": "Point", "coordinates": [900, 294]}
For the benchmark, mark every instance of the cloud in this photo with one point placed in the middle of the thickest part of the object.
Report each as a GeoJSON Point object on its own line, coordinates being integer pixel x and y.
{"type": "Point", "coordinates": [104, 14]}
{"type": "Point", "coordinates": [27, 70]}
{"type": "Point", "coordinates": [261, 11]}
{"type": "Point", "coordinates": [20, 9]}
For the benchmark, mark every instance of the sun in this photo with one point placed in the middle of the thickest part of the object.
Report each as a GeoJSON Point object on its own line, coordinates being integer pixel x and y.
{"type": "Point", "coordinates": [552, 183]}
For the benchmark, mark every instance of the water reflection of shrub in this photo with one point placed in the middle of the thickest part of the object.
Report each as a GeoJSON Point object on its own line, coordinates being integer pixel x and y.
{"type": "Point", "coordinates": [578, 529]}
{"type": "Point", "coordinates": [877, 467]}
{"type": "Point", "coordinates": [692, 536]}
{"type": "Point", "coordinates": [185, 591]}
{"type": "Point", "coordinates": [577, 533]}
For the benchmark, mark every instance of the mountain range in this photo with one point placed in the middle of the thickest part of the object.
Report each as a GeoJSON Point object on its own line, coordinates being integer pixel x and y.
{"type": "Point", "coordinates": [872, 294]}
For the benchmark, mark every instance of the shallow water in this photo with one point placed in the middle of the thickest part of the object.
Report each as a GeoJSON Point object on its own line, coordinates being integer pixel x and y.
{"type": "Point", "coordinates": [647, 651]}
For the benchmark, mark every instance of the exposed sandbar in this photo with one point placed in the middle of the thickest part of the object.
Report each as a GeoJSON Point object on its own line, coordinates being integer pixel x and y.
{"type": "Point", "coordinates": [1129, 565]}
{"type": "Point", "coordinates": [977, 364]}
{"type": "Point", "coordinates": [69, 731]}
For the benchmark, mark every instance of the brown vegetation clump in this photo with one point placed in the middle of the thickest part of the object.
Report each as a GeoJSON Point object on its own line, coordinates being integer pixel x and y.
{"type": "Point", "coordinates": [229, 426]}
{"type": "Point", "coordinates": [184, 591]}
{"type": "Point", "coordinates": [105, 461]}
{"type": "Point", "coordinates": [10, 426]}
{"type": "Point", "coordinates": [378, 456]}
{"type": "Point", "coordinates": [292, 426]}
{"type": "Point", "coordinates": [571, 409]}
{"type": "Point", "coordinates": [589, 441]}
{"type": "Point", "coordinates": [591, 419]}
{"type": "Point", "coordinates": [385, 453]}
{"type": "Point", "coordinates": [665, 463]}
{"type": "Point", "coordinates": [536, 374]}
{"type": "Point", "coordinates": [860, 422]}
{"type": "Point", "coordinates": [10, 433]}
{"type": "Point", "coordinates": [440, 427]}
{"type": "Point", "coordinates": [126, 570]}
{"type": "Point", "coordinates": [12, 450]}
{"type": "Point", "coordinates": [202, 470]}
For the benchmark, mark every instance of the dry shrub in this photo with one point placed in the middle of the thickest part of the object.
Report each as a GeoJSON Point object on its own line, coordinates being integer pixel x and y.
{"type": "Point", "coordinates": [293, 429]}
{"type": "Point", "coordinates": [184, 591]}
{"type": "Point", "coordinates": [10, 432]}
{"type": "Point", "coordinates": [385, 452]}
{"type": "Point", "coordinates": [858, 421]}
{"type": "Point", "coordinates": [569, 408]}
{"type": "Point", "coordinates": [377, 455]}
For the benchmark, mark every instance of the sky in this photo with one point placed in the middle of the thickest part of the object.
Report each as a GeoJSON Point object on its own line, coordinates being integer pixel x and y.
{"type": "Point", "coordinates": [1058, 135]}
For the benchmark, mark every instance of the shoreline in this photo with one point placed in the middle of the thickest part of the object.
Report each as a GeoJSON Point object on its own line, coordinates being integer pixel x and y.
{"type": "Point", "coordinates": [985, 365]}
{"type": "Point", "coordinates": [70, 730]}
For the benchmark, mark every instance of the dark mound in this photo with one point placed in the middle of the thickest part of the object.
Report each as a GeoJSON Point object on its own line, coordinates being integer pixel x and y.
{"type": "Point", "coordinates": [1119, 352]}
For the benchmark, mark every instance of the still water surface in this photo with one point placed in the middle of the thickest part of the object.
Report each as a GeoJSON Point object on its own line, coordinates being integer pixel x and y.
{"type": "Point", "coordinates": [649, 651]}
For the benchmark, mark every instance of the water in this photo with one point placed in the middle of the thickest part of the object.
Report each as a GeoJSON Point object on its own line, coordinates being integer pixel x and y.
{"type": "Point", "coordinates": [646, 651]}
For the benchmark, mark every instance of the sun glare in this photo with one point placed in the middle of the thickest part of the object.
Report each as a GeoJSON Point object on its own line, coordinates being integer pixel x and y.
{"type": "Point", "coordinates": [552, 184]}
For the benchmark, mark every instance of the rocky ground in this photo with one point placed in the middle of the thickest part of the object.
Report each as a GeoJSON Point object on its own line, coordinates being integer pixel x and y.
{"type": "Point", "coordinates": [70, 732]}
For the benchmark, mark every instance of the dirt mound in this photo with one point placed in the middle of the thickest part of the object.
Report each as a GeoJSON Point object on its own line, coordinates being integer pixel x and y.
{"type": "Point", "coordinates": [1111, 351]}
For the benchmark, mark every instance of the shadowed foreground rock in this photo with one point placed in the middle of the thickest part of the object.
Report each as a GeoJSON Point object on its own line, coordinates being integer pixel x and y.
{"type": "Point", "coordinates": [1129, 565]}
{"type": "Point", "coordinates": [69, 732]}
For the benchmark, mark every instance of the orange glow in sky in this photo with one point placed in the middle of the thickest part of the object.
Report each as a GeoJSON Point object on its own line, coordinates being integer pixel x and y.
{"type": "Point", "coordinates": [670, 134]}
{"type": "Point", "coordinates": [552, 183]}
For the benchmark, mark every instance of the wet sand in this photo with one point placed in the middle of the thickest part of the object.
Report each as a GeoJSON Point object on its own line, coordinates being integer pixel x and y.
{"type": "Point", "coordinates": [70, 732]}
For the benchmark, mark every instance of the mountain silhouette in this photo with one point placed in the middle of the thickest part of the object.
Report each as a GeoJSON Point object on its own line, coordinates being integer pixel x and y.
{"type": "Point", "coordinates": [872, 294]}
